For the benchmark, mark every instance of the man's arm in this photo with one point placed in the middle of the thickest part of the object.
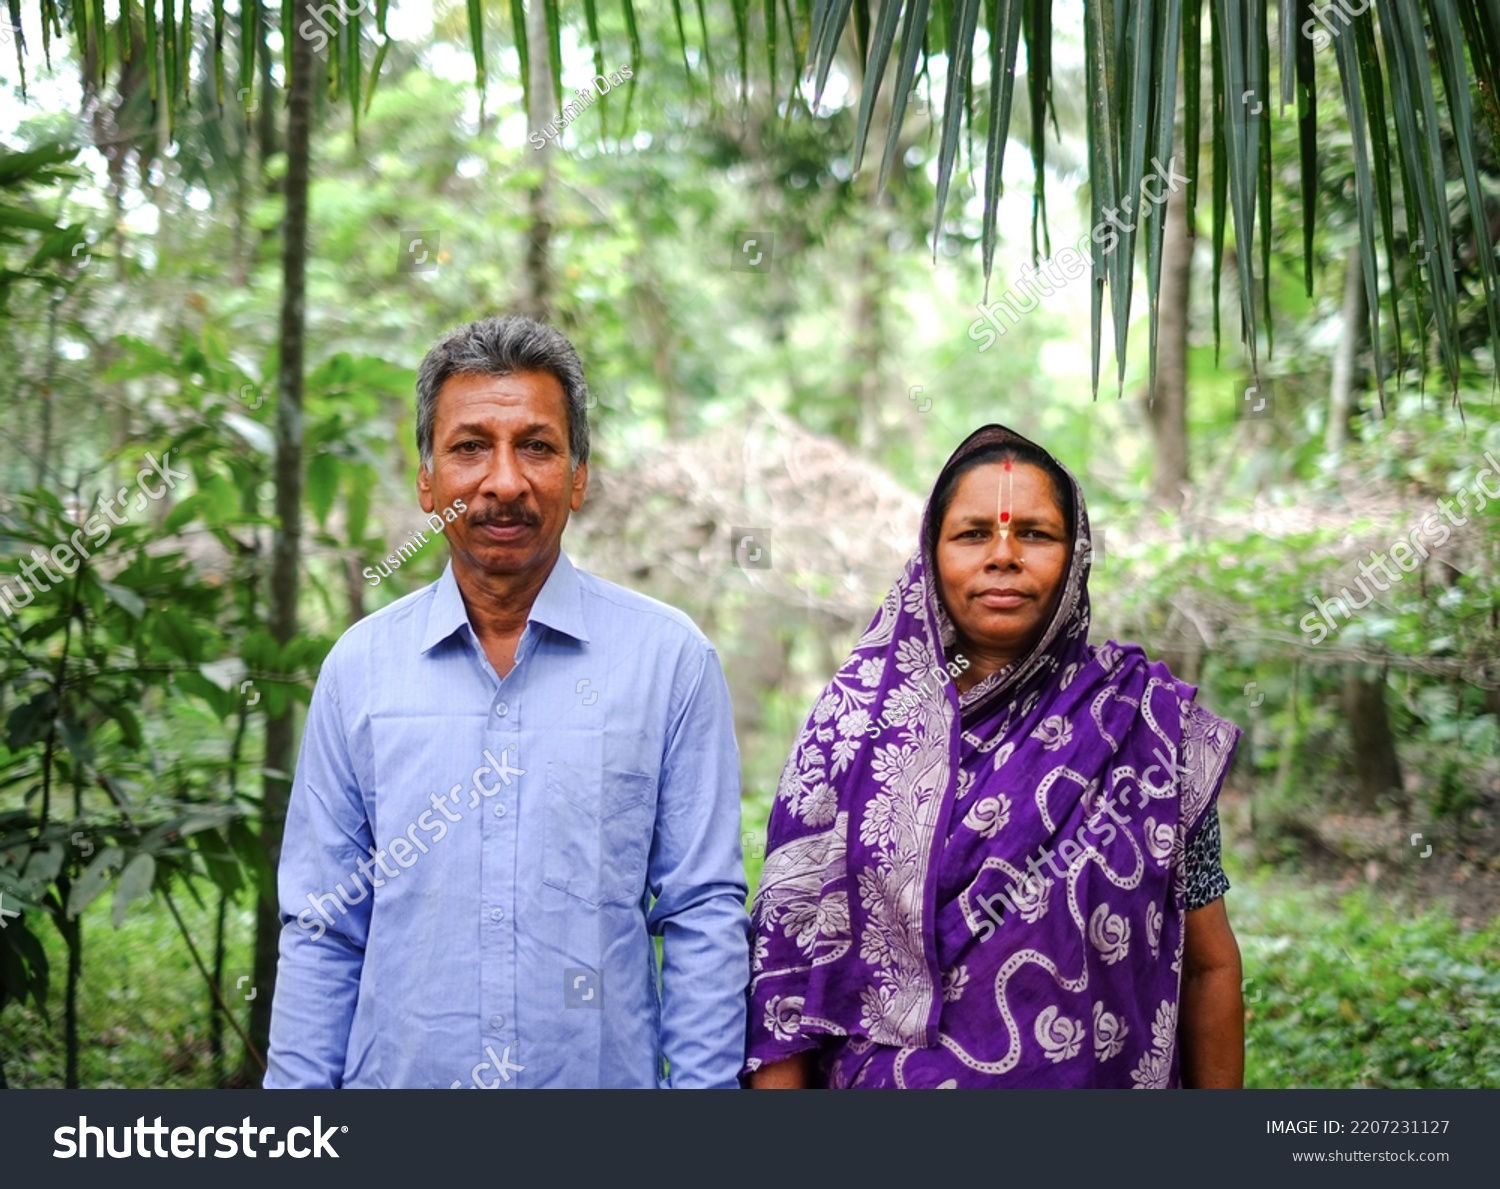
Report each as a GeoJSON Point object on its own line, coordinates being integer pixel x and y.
{"type": "Point", "coordinates": [323, 953]}
{"type": "Point", "coordinates": [1212, 1026]}
{"type": "Point", "coordinates": [698, 877]}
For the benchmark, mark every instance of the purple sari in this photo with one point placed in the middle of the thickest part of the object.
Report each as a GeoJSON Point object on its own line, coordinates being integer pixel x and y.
{"type": "Point", "coordinates": [911, 927]}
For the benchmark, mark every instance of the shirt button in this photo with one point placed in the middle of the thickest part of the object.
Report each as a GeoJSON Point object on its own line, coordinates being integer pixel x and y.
{"type": "Point", "coordinates": [501, 709]}
{"type": "Point", "coordinates": [499, 810]}
{"type": "Point", "coordinates": [497, 914]}
{"type": "Point", "coordinates": [497, 1023]}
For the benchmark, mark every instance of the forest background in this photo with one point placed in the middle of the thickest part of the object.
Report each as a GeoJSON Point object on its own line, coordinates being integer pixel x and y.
{"type": "Point", "coordinates": [781, 354]}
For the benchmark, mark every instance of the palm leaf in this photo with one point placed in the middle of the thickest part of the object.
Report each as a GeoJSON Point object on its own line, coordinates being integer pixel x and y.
{"type": "Point", "coordinates": [1164, 125]}
{"type": "Point", "coordinates": [875, 67]}
{"type": "Point", "coordinates": [960, 51]}
{"type": "Point", "coordinates": [912, 29]}
{"type": "Point", "coordinates": [1005, 35]}
{"type": "Point", "coordinates": [1037, 30]}
{"type": "Point", "coordinates": [1403, 68]}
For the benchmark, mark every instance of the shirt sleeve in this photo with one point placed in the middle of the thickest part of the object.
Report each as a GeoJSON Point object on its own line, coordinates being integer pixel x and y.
{"type": "Point", "coordinates": [323, 932]}
{"type": "Point", "coordinates": [1206, 881]}
{"type": "Point", "coordinates": [697, 876]}
{"type": "Point", "coordinates": [1209, 745]}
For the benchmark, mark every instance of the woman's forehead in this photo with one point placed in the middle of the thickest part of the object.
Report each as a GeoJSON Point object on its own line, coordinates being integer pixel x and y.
{"type": "Point", "coordinates": [1027, 485]}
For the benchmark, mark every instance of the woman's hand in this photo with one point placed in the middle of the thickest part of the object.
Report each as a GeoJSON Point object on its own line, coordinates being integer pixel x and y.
{"type": "Point", "coordinates": [1211, 1028]}
{"type": "Point", "coordinates": [795, 1073]}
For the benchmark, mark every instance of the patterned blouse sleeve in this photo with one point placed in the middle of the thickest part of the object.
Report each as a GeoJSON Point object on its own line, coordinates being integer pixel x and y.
{"type": "Point", "coordinates": [1209, 744]}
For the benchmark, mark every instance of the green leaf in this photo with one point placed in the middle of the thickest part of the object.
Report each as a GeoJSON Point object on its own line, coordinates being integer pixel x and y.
{"type": "Point", "coordinates": [95, 878]}
{"type": "Point", "coordinates": [476, 43]}
{"type": "Point", "coordinates": [29, 722]}
{"type": "Point", "coordinates": [124, 598]}
{"type": "Point", "coordinates": [246, 844]}
{"type": "Point", "coordinates": [219, 861]}
{"type": "Point", "coordinates": [135, 884]}
{"type": "Point", "coordinates": [179, 633]}
{"type": "Point", "coordinates": [75, 738]}
{"type": "Point", "coordinates": [912, 28]}
{"type": "Point", "coordinates": [1005, 30]}
{"type": "Point", "coordinates": [323, 475]}
{"type": "Point", "coordinates": [960, 54]}
{"type": "Point", "coordinates": [43, 865]}
{"type": "Point", "coordinates": [880, 54]}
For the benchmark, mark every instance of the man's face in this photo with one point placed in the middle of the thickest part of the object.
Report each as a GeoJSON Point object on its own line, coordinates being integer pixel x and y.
{"type": "Point", "coordinates": [500, 444]}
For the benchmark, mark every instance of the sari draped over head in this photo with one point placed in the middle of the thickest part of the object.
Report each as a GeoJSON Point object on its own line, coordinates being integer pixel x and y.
{"type": "Point", "coordinates": [989, 889]}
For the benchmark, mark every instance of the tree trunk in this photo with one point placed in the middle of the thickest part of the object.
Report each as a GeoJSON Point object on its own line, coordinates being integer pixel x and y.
{"type": "Point", "coordinates": [652, 307]}
{"type": "Point", "coordinates": [265, 124]}
{"type": "Point", "coordinates": [71, 932]}
{"type": "Point", "coordinates": [536, 301]}
{"type": "Point", "coordinates": [287, 542]}
{"type": "Point", "coordinates": [866, 339]}
{"type": "Point", "coordinates": [48, 391]}
{"type": "Point", "coordinates": [1492, 702]}
{"type": "Point", "coordinates": [1377, 770]}
{"type": "Point", "coordinates": [1351, 342]}
{"type": "Point", "coordinates": [354, 587]}
{"type": "Point", "coordinates": [1168, 404]}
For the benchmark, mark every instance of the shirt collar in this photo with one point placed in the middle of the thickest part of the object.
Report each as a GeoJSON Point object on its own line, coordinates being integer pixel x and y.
{"type": "Point", "coordinates": [558, 605]}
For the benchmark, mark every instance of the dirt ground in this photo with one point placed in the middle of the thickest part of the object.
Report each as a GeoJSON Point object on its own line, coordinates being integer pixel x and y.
{"type": "Point", "coordinates": [1343, 850]}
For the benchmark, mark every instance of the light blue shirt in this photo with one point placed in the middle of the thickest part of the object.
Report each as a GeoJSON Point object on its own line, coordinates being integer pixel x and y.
{"type": "Point", "coordinates": [534, 834]}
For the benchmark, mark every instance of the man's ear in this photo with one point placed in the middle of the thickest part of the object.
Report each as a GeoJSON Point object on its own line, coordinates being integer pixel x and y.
{"type": "Point", "coordinates": [580, 486]}
{"type": "Point", "coordinates": [424, 488]}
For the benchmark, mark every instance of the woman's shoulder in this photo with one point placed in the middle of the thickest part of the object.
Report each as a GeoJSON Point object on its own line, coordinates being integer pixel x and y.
{"type": "Point", "coordinates": [1120, 660]}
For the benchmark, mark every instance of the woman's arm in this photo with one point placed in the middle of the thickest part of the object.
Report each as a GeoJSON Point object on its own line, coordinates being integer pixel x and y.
{"type": "Point", "coordinates": [795, 1073]}
{"type": "Point", "coordinates": [1211, 1030]}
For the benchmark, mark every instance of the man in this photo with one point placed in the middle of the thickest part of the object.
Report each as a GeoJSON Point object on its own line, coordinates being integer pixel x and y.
{"type": "Point", "coordinates": [510, 781]}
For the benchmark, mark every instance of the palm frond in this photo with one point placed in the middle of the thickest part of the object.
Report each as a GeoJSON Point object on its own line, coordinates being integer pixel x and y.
{"type": "Point", "coordinates": [1404, 70]}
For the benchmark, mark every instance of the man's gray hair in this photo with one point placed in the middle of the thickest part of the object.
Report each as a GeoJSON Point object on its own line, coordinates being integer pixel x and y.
{"type": "Point", "coordinates": [503, 347]}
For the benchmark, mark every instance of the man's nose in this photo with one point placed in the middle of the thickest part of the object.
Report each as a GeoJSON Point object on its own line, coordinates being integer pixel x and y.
{"type": "Point", "coordinates": [503, 479]}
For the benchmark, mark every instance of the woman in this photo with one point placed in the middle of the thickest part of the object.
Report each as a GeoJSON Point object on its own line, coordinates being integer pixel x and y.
{"type": "Point", "coordinates": [993, 856]}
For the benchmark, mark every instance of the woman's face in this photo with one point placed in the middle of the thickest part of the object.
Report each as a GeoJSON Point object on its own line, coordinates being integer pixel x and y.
{"type": "Point", "coordinates": [1000, 591]}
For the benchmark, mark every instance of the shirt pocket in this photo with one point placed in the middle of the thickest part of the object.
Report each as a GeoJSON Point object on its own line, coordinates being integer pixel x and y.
{"type": "Point", "coordinates": [597, 832]}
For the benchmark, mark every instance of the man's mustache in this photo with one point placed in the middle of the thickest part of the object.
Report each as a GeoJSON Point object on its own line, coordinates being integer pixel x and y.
{"type": "Point", "coordinates": [506, 515]}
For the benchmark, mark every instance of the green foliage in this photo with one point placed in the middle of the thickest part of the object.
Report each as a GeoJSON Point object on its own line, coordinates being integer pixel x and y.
{"type": "Point", "coordinates": [125, 771]}
{"type": "Point", "coordinates": [47, 255]}
{"type": "Point", "coordinates": [144, 1018]}
{"type": "Point", "coordinates": [1364, 994]}
{"type": "Point", "coordinates": [88, 801]}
